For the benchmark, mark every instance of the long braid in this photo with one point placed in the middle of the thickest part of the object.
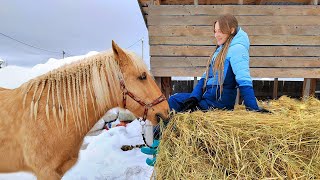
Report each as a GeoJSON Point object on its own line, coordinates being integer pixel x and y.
{"type": "Point", "coordinates": [218, 67]}
{"type": "Point", "coordinates": [207, 70]}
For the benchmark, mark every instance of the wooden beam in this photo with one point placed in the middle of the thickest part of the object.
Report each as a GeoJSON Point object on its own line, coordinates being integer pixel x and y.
{"type": "Point", "coordinates": [255, 72]}
{"type": "Point", "coordinates": [243, 20]}
{"type": "Point", "coordinates": [293, 51]}
{"type": "Point", "coordinates": [276, 62]}
{"type": "Point", "coordinates": [196, 31]}
{"type": "Point", "coordinates": [227, 2]}
{"type": "Point", "coordinates": [243, 10]}
{"type": "Point", "coordinates": [254, 40]}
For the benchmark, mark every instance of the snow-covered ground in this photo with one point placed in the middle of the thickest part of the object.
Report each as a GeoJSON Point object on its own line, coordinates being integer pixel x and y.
{"type": "Point", "coordinates": [102, 159]}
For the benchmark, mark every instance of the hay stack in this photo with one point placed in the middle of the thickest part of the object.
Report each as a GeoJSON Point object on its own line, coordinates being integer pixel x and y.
{"type": "Point", "coordinates": [243, 145]}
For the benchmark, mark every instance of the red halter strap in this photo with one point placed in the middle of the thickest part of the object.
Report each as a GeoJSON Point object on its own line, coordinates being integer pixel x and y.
{"type": "Point", "coordinates": [125, 92]}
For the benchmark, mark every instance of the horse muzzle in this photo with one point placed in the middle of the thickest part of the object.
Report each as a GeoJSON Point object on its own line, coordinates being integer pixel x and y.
{"type": "Point", "coordinates": [160, 117]}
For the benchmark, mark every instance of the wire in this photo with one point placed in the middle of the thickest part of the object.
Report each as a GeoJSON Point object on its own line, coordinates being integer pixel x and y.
{"type": "Point", "coordinates": [28, 44]}
{"type": "Point", "coordinates": [134, 43]}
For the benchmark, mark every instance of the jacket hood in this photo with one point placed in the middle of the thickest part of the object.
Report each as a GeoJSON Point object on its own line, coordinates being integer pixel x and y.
{"type": "Point", "coordinates": [241, 38]}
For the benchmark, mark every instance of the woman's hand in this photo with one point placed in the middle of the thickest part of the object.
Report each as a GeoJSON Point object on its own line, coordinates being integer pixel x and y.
{"type": "Point", "coordinates": [189, 104]}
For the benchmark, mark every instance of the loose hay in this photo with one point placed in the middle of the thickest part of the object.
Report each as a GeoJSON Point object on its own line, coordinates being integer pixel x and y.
{"type": "Point", "coordinates": [243, 145]}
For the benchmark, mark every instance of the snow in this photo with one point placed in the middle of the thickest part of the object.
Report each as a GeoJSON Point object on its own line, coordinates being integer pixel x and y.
{"type": "Point", "coordinates": [103, 157]}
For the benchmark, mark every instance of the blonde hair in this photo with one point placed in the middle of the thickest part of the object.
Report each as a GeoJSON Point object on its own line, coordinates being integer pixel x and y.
{"type": "Point", "coordinates": [227, 22]}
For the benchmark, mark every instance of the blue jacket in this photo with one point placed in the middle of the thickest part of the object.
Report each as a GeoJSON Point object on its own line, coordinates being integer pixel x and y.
{"type": "Point", "coordinates": [236, 75]}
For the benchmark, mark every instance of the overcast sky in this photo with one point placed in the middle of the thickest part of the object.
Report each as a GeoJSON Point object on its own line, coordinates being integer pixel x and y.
{"type": "Point", "coordinates": [73, 26]}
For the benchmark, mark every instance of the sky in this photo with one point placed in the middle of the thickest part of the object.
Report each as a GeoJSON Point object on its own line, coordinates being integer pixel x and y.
{"type": "Point", "coordinates": [102, 158]}
{"type": "Point", "coordinates": [76, 27]}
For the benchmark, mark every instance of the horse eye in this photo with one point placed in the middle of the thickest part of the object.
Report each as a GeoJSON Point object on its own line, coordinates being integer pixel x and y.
{"type": "Point", "coordinates": [143, 76]}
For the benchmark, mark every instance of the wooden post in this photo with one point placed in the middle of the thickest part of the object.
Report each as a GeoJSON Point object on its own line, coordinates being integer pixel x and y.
{"type": "Point", "coordinates": [196, 2]}
{"type": "Point", "coordinates": [275, 88]}
{"type": "Point", "coordinates": [313, 87]}
{"type": "Point", "coordinates": [306, 87]}
{"type": "Point", "coordinates": [309, 87]}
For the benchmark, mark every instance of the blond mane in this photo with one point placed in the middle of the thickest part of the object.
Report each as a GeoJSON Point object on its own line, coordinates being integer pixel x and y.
{"type": "Point", "coordinates": [68, 89]}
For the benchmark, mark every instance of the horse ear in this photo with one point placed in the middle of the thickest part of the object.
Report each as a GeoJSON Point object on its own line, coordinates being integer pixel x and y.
{"type": "Point", "coordinates": [119, 55]}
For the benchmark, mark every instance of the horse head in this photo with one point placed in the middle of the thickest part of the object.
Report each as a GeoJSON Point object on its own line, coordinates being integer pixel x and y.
{"type": "Point", "coordinates": [141, 95]}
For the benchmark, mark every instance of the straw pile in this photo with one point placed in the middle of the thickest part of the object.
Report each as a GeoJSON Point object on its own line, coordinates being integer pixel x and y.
{"type": "Point", "coordinates": [243, 145]}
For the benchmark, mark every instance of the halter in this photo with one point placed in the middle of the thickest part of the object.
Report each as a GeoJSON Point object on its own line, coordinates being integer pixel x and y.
{"type": "Point", "coordinates": [126, 92]}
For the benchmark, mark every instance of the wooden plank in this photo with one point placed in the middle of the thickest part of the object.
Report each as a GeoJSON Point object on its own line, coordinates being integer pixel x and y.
{"type": "Point", "coordinates": [191, 62]}
{"type": "Point", "coordinates": [284, 2]}
{"type": "Point", "coordinates": [251, 30]}
{"type": "Point", "coordinates": [263, 10]}
{"type": "Point", "coordinates": [243, 20]}
{"type": "Point", "coordinates": [191, 2]}
{"type": "Point", "coordinates": [255, 72]}
{"type": "Point", "coordinates": [254, 40]}
{"type": "Point", "coordinates": [214, 2]}
{"type": "Point", "coordinates": [275, 89]}
{"type": "Point", "coordinates": [163, 50]}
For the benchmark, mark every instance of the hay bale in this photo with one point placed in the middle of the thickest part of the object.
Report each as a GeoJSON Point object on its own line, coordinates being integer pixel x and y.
{"type": "Point", "coordinates": [243, 145]}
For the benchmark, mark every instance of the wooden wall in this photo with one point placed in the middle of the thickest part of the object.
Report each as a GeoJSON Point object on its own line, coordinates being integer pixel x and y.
{"type": "Point", "coordinates": [285, 40]}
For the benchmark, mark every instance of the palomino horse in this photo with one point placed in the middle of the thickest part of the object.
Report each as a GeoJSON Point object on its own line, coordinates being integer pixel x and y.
{"type": "Point", "coordinates": [44, 121]}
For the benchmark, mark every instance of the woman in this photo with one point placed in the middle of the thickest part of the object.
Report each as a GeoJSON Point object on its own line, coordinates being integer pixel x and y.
{"type": "Point", "coordinates": [227, 70]}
